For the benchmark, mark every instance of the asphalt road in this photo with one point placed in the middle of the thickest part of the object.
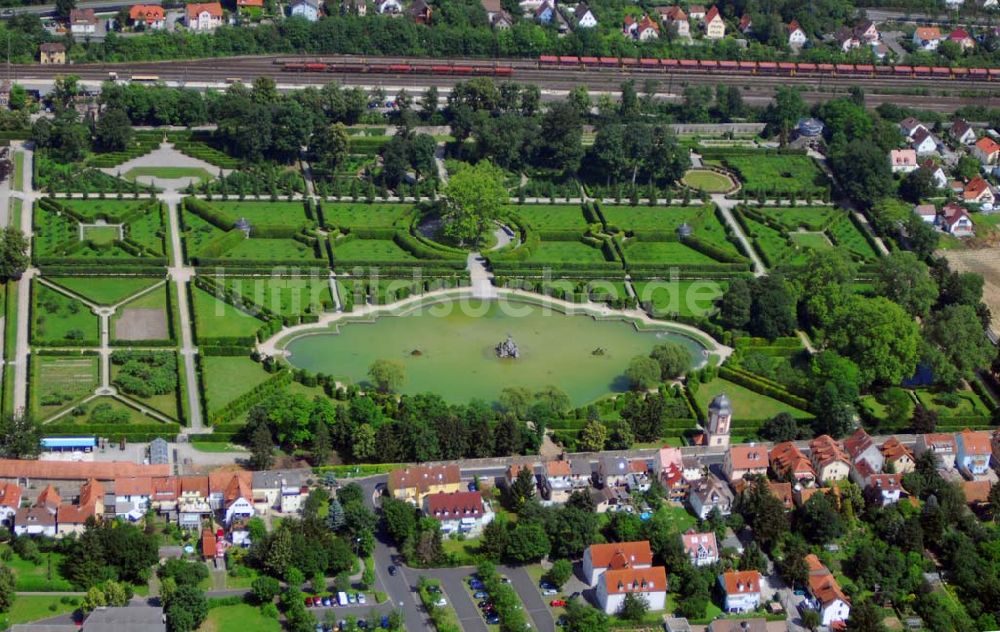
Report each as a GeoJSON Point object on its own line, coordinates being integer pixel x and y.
{"type": "Point", "coordinates": [531, 597]}
{"type": "Point", "coordinates": [452, 581]}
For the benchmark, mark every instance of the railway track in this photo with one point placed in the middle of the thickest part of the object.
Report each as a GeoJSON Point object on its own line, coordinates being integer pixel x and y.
{"type": "Point", "coordinates": [926, 93]}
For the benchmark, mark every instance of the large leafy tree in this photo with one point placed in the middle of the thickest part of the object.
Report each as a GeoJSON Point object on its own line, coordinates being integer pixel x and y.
{"type": "Point", "coordinates": [863, 171]}
{"type": "Point", "coordinates": [387, 375]}
{"type": "Point", "coordinates": [879, 336]}
{"type": "Point", "coordinates": [772, 307]}
{"type": "Point", "coordinates": [528, 543]}
{"type": "Point", "coordinates": [674, 359]}
{"type": "Point", "coordinates": [958, 333]}
{"type": "Point", "coordinates": [474, 198]}
{"type": "Point", "coordinates": [560, 138]}
{"type": "Point", "coordinates": [903, 278]}
{"type": "Point", "coordinates": [114, 131]}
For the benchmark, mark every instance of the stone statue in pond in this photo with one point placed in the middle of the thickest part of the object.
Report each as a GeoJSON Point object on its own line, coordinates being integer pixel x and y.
{"type": "Point", "coordinates": [508, 349]}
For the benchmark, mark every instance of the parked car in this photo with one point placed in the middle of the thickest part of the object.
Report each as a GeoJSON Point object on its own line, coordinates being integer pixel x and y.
{"type": "Point", "coordinates": [557, 603]}
{"type": "Point", "coordinates": [493, 619]}
{"type": "Point", "coordinates": [361, 599]}
{"type": "Point", "coordinates": [545, 585]}
{"type": "Point", "coordinates": [433, 589]}
{"type": "Point", "coordinates": [550, 591]}
{"type": "Point", "coordinates": [351, 598]}
{"type": "Point", "coordinates": [392, 570]}
{"type": "Point", "coordinates": [505, 579]}
{"type": "Point", "coordinates": [309, 602]}
{"type": "Point", "coordinates": [475, 584]}
{"type": "Point", "coordinates": [327, 602]}
{"type": "Point", "coordinates": [480, 594]}
{"type": "Point", "coordinates": [441, 603]}
{"type": "Point", "coordinates": [385, 622]}
{"type": "Point", "coordinates": [362, 624]}
{"type": "Point", "coordinates": [562, 620]}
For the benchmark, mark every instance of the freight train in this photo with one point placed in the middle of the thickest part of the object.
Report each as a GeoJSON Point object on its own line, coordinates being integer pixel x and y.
{"type": "Point", "coordinates": [644, 65]}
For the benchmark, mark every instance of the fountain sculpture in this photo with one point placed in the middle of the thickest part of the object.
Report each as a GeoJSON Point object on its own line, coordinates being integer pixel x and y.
{"type": "Point", "coordinates": [507, 348]}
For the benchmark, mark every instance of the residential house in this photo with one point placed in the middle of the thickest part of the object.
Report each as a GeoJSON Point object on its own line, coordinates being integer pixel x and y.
{"type": "Point", "coordinates": [249, 7]}
{"type": "Point", "coordinates": [898, 455]}
{"type": "Point", "coordinates": [36, 520]}
{"type": "Point", "coordinates": [977, 191]}
{"type": "Point", "coordinates": [48, 498]}
{"type": "Point", "coordinates": [10, 501]}
{"type": "Point", "coordinates": [926, 212]}
{"type": "Point", "coordinates": [956, 221]}
{"type": "Point", "coordinates": [581, 473]}
{"type": "Point", "coordinates": [923, 142]}
{"type": "Point", "coordinates": [642, 30]}
{"type": "Point", "coordinates": [880, 50]}
{"type": "Point", "coordinates": [789, 464]}
{"type": "Point", "coordinates": [52, 53]}
{"type": "Point", "coordinates": [648, 583]}
{"type": "Point", "coordinates": [612, 470]}
{"type": "Point", "coordinates": [741, 591]}
{"type": "Point", "coordinates": [205, 16]}
{"type": "Point", "coordinates": [910, 126]}
{"type": "Point", "coordinates": [678, 488]}
{"type": "Point", "coordinates": [927, 37]}
{"type": "Point", "coordinates": [150, 16]}
{"type": "Point", "coordinates": [359, 7]}
{"type": "Point", "coordinates": [131, 617]}
{"type": "Point", "coordinates": [834, 606]}
{"type": "Point", "coordinates": [720, 416]}
{"type": "Point", "coordinates": [829, 460]}
{"type": "Point", "coordinates": [745, 460]}
{"type": "Point", "coordinates": [845, 38]}
{"type": "Point", "coordinates": [165, 492]}
{"type": "Point", "coordinates": [696, 12]}
{"type": "Point", "coordinates": [885, 489]}
{"type": "Point", "coordinates": [412, 484]}
{"type": "Point", "coordinates": [388, 7]}
{"type": "Point", "coordinates": [673, 17]}
{"type": "Point", "coordinates": [584, 16]}
{"type": "Point", "coordinates": [420, 12]}
{"type": "Point", "coordinates": [701, 548]}
{"type": "Point", "coordinates": [715, 27]}
{"type": "Point", "coordinates": [903, 160]}
{"type": "Point", "coordinates": [783, 492]}
{"type": "Point", "coordinates": [801, 495]}
{"type": "Point", "coordinates": [973, 452]}
{"type": "Point", "coordinates": [132, 494]}
{"type": "Point", "coordinates": [308, 9]}
{"type": "Point", "coordinates": [230, 492]}
{"type": "Point", "coordinates": [693, 468]}
{"type": "Point", "coordinates": [986, 150]}
{"type": "Point", "coordinates": [942, 445]}
{"type": "Point", "coordinates": [746, 24]}
{"type": "Point", "coordinates": [613, 498]}
{"type": "Point", "coordinates": [866, 32]}
{"type": "Point", "coordinates": [667, 457]}
{"type": "Point", "coordinates": [962, 132]}
{"type": "Point", "coordinates": [995, 443]}
{"type": "Point", "coordinates": [961, 37]}
{"type": "Point", "coordinates": [615, 556]}
{"type": "Point", "coordinates": [860, 447]}
{"type": "Point", "coordinates": [22, 472]}
{"type": "Point", "coordinates": [938, 176]}
{"type": "Point", "coordinates": [82, 22]}
{"type": "Point", "coordinates": [557, 484]}
{"type": "Point", "coordinates": [796, 36]}
{"type": "Point", "coordinates": [708, 494]}
{"type": "Point", "coordinates": [459, 512]}
{"type": "Point", "coordinates": [193, 505]}
{"type": "Point", "coordinates": [283, 490]}
{"type": "Point", "coordinates": [545, 12]}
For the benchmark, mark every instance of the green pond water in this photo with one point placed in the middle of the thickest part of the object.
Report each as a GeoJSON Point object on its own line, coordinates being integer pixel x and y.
{"type": "Point", "coordinates": [456, 358]}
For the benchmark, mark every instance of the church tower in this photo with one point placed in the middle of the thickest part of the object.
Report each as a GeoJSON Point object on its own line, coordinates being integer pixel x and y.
{"type": "Point", "coordinates": [720, 416]}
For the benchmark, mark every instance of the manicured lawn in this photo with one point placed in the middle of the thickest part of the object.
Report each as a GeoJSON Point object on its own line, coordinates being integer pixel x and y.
{"type": "Point", "coordinates": [290, 214]}
{"type": "Point", "coordinates": [664, 252]}
{"type": "Point", "coordinates": [215, 447]}
{"type": "Point", "coordinates": [551, 217]}
{"type": "Point", "coordinates": [658, 218]}
{"type": "Point", "coordinates": [108, 410]}
{"type": "Point", "coordinates": [463, 550]}
{"type": "Point", "coordinates": [816, 241]}
{"type": "Point", "coordinates": [969, 404]}
{"type": "Point", "coordinates": [369, 250]}
{"type": "Point", "coordinates": [707, 180]}
{"type": "Point", "coordinates": [228, 377]}
{"type": "Point", "coordinates": [239, 618]}
{"type": "Point", "coordinates": [215, 318]}
{"type": "Point", "coordinates": [349, 215]}
{"type": "Point", "coordinates": [746, 403]}
{"type": "Point", "coordinates": [687, 298]}
{"type": "Point", "coordinates": [41, 577]}
{"type": "Point", "coordinates": [18, 176]}
{"type": "Point", "coordinates": [811, 218]}
{"type": "Point", "coordinates": [29, 608]}
{"type": "Point", "coordinates": [566, 252]}
{"type": "Point", "coordinates": [61, 319]}
{"type": "Point", "coordinates": [57, 381]}
{"type": "Point", "coordinates": [778, 175]}
{"type": "Point", "coordinates": [285, 297]}
{"type": "Point", "coordinates": [110, 209]}
{"type": "Point", "coordinates": [271, 249]}
{"type": "Point", "coordinates": [169, 173]}
{"type": "Point", "coordinates": [677, 517]}
{"type": "Point", "coordinates": [101, 235]}
{"type": "Point", "coordinates": [165, 403]}
{"type": "Point", "coordinates": [104, 290]}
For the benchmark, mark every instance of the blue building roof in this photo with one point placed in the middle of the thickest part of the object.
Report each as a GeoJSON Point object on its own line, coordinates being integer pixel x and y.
{"type": "Point", "coordinates": [68, 442]}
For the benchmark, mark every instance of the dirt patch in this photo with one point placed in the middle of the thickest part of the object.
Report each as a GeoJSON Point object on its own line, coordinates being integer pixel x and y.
{"type": "Point", "coordinates": [141, 323]}
{"type": "Point", "coordinates": [986, 263]}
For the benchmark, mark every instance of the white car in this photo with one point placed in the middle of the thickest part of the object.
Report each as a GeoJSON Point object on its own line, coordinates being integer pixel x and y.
{"type": "Point", "coordinates": [361, 598]}
{"type": "Point", "coordinates": [550, 591]}
{"type": "Point", "coordinates": [441, 603]}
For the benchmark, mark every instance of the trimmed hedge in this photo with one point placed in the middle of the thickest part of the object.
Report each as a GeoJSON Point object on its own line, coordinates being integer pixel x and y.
{"type": "Point", "coordinates": [763, 386]}
{"type": "Point", "coordinates": [245, 402]}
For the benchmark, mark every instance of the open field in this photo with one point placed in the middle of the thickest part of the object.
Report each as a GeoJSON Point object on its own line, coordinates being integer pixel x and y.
{"type": "Point", "coordinates": [238, 618]}
{"type": "Point", "coordinates": [816, 241]}
{"type": "Point", "coordinates": [785, 236]}
{"type": "Point", "coordinates": [985, 263]}
{"type": "Point", "coordinates": [228, 377]}
{"type": "Point", "coordinates": [215, 318]}
{"type": "Point", "coordinates": [58, 381]}
{"type": "Point", "coordinates": [967, 404]}
{"type": "Point", "coordinates": [272, 249]}
{"type": "Point", "coordinates": [61, 320]}
{"type": "Point", "coordinates": [157, 368]}
{"type": "Point", "coordinates": [108, 410]}
{"type": "Point", "coordinates": [27, 608]}
{"type": "Point", "coordinates": [104, 290]}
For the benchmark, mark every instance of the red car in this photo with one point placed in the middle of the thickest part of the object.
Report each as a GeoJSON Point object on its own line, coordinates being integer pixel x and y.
{"type": "Point", "coordinates": [557, 603]}
{"type": "Point", "coordinates": [309, 602]}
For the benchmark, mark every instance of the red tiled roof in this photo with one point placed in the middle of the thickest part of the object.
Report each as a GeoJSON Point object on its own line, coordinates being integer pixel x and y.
{"type": "Point", "coordinates": [10, 495]}
{"type": "Point", "coordinates": [976, 492]}
{"type": "Point", "coordinates": [893, 450]}
{"type": "Point", "coordinates": [987, 145]}
{"type": "Point", "coordinates": [134, 486]}
{"type": "Point", "coordinates": [91, 494]}
{"type": "Point", "coordinates": [746, 457]}
{"type": "Point", "coordinates": [712, 14]}
{"type": "Point", "coordinates": [558, 468]}
{"type": "Point", "coordinates": [78, 470]}
{"type": "Point", "coordinates": [49, 497]}
{"type": "Point", "coordinates": [977, 443]}
{"type": "Point", "coordinates": [975, 187]}
{"type": "Point", "coordinates": [635, 580]}
{"type": "Point", "coordinates": [73, 514]}
{"type": "Point", "coordinates": [422, 477]}
{"type": "Point", "coordinates": [692, 541]}
{"type": "Point", "coordinates": [82, 16]}
{"type": "Point", "coordinates": [886, 482]}
{"type": "Point", "coordinates": [741, 582]}
{"type": "Point", "coordinates": [213, 8]}
{"type": "Point", "coordinates": [454, 505]}
{"type": "Point", "coordinates": [209, 546]}
{"type": "Point", "coordinates": [787, 460]}
{"type": "Point", "coordinates": [857, 443]}
{"type": "Point", "coordinates": [782, 491]}
{"type": "Point", "coordinates": [146, 12]}
{"type": "Point", "coordinates": [618, 555]}
{"type": "Point", "coordinates": [826, 450]}
{"type": "Point", "coordinates": [822, 583]}
{"type": "Point", "coordinates": [166, 488]}
{"type": "Point", "coordinates": [194, 485]}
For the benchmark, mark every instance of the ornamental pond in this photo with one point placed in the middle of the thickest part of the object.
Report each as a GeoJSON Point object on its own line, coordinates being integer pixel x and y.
{"type": "Point", "coordinates": [449, 348]}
